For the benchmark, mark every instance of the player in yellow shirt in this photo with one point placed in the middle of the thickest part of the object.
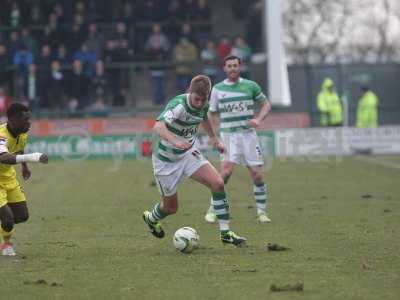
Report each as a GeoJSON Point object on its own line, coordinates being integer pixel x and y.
{"type": "Point", "coordinates": [13, 138]}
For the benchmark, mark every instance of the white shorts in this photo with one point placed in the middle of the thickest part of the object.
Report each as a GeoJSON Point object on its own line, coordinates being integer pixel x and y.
{"type": "Point", "coordinates": [169, 174]}
{"type": "Point", "coordinates": [242, 147]}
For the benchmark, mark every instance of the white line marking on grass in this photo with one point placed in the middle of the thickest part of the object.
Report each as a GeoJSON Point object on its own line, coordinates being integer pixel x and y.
{"type": "Point", "coordinates": [378, 161]}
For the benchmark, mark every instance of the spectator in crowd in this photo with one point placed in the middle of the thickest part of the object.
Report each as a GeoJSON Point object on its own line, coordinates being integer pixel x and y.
{"type": "Point", "coordinates": [210, 61]}
{"type": "Point", "coordinates": [99, 107]}
{"type": "Point", "coordinates": [99, 84]}
{"type": "Point", "coordinates": [54, 94]}
{"type": "Point", "coordinates": [58, 10]}
{"type": "Point", "coordinates": [45, 56]}
{"type": "Point", "coordinates": [29, 41]}
{"type": "Point", "coordinates": [119, 51]}
{"type": "Point", "coordinates": [157, 47]}
{"type": "Point", "coordinates": [254, 24]}
{"type": "Point", "coordinates": [175, 12]}
{"type": "Point", "coordinates": [190, 8]}
{"type": "Point", "coordinates": [22, 58]}
{"type": "Point", "coordinates": [184, 56]}
{"type": "Point", "coordinates": [367, 109]}
{"type": "Point", "coordinates": [224, 48]}
{"type": "Point", "coordinates": [32, 88]}
{"type": "Point", "coordinates": [62, 55]}
{"type": "Point", "coordinates": [121, 48]}
{"type": "Point", "coordinates": [15, 15]}
{"type": "Point", "coordinates": [77, 88]}
{"type": "Point", "coordinates": [13, 44]}
{"type": "Point", "coordinates": [242, 50]}
{"type": "Point", "coordinates": [53, 33]}
{"type": "Point", "coordinates": [36, 16]}
{"type": "Point", "coordinates": [4, 63]}
{"type": "Point", "coordinates": [127, 14]}
{"type": "Point", "coordinates": [203, 12]}
{"type": "Point", "coordinates": [329, 104]}
{"type": "Point", "coordinates": [80, 10]}
{"type": "Point", "coordinates": [5, 101]}
{"type": "Point", "coordinates": [76, 35]}
{"type": "Point", "coordinates": [150, 12]}
{"type": "Point", "coordinates": [88, 59]}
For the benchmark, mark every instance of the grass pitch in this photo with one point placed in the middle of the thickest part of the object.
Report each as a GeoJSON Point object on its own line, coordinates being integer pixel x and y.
{"type": "Point", "coordinates": [86, 239]}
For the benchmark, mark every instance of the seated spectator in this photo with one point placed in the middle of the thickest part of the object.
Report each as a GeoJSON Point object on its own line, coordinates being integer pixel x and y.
{"type": "Point", "coordinates": [210, 61]}
{"type": "Point", "coordinates": [118, 50]}
{"type": "Point", "coordinates": [13, 44]}
{"type": "Point", "coordinates": [157, 47]}
{"type": "Point", "coordinates": [53, 33]}
{"type": "Point", "coordinates": [253, 24]}
{"type": "Point", "coordinates": [95, 40]}
{"type": "Point", "coordinates": [77, 88]}
{"type": "Point", "coordinates": [54, 93]}
{"type": "Point", "coordinates": [29, 41]}
{"type": "Point", "coordinates": [87, 58]}
{"type": "Point", "coordinates": [32, 87]}
{"type": "Point", "coordinates": [224, 48]}
{"type": "Point", "coordinates": [185, 56]}
{"type": "Point", "coordinates": [99, 107]}
{"type": "Point", "coordinates": [76, 34]}
{"type": "Point", "coordinates": [99, 84]}
{"type": "Point", "coordinates": [203, 12]}
{"type": "Point", "coordinates": [5, 102]}
{"type": "Point", "coordinates": [62, 55]}
{"type": "Point", "coordinates": [22, 58]}
{"type": "Point", "coordinates": [45, 56]}
{"type": "Point", "coordinates": [242, 50]}
{"type": "Point", "coordinates": [4, 63]}
{"type": "Point", "coordinates": [15, 15]}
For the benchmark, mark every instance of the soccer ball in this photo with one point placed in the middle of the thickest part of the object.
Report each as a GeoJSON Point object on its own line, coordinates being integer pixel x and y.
{"type": "Point", "coordinates": [186, 239]}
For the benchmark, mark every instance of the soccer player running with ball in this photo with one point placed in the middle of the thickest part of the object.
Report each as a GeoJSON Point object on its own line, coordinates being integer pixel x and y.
{"type": "Point", "coordinates": [233, 101]}
{"type": "Point", "coordinates": [177, 157]}
{"type": "Point", "coordinates": [13, 138]}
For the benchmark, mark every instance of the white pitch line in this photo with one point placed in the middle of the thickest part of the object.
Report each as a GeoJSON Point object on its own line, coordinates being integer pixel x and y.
{"type": "Point", "coordinates": [380, 162]}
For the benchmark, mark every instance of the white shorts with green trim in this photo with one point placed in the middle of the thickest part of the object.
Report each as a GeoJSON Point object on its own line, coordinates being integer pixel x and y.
{"type": "Point", "coordinates": [242, 147]}
{"type": "Point", "coordinates": [169, 174]}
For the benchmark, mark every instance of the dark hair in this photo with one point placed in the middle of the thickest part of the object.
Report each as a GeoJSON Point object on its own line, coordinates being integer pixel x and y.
{"type": "Point", "coordinates": [16, 109]}
{"type": "Point", "coordinates": [201, 85]}
{"type": "Point", "coordinates": [232, 57]}
{"type": "Point", "coordinates": [365, 88]}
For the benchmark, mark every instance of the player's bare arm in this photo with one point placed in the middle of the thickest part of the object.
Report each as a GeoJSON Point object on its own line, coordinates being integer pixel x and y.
{"type": "Point", "coordinates": [214, 140]}
{"type": "Point", "coordinates": [264, 110]}
{"type": "Point", "coordinates": [26, 173]}
{"type": "Point", "coordinates": [165, 134]}
{"type": "Point", "coordinates": [12, 159]}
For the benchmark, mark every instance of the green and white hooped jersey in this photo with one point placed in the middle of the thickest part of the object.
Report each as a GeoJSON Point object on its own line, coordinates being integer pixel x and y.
{"type": "Point", "coordinates": [234, 101]}
{"type": "Point", "coordinates": [182, 120]}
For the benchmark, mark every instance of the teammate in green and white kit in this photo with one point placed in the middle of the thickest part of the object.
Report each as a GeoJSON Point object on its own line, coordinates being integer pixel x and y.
{"type": "Point", "coordinates": [177, 157]}
{"type": "Point", "coordinates": [234, 100]}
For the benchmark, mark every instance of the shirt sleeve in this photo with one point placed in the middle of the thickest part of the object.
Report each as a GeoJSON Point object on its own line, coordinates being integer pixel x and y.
{"type": "Point", "coordinates": [170, 114]}
{"type": "Point", "coordinates": [258, 94]}
{"type": "Point", "coordinates": [3, 145]}
{"type": "Point", "coordinates": [213, 101]}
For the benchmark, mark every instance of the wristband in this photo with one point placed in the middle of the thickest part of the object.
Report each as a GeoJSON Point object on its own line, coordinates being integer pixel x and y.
{"type": "Point", "coordinates": [31, 157]}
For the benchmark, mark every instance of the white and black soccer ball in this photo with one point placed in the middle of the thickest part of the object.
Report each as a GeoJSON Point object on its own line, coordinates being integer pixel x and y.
{"type": "Point", "coordinates": [186, 239]}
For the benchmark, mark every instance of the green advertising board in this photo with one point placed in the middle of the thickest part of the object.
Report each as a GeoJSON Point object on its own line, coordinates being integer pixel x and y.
{"type": "Point", "coordinates": [76, 147]}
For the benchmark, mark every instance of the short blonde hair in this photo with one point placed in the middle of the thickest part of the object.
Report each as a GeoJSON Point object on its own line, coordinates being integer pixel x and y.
{"type": "Point", "coordinates": [201, 85]}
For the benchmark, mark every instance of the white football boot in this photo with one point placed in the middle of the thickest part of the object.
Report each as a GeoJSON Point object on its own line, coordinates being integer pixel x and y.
{"type": "Point", "coordinates": [210, 216]}
{"type": "Point", "coordinates": [7, 249]}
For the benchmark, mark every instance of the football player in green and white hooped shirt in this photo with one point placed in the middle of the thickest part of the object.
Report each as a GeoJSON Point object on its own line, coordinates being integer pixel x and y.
{"type": "Point", "coordinates": [234, 100]}
{"type": "Point", "coordinates": [177, 157]}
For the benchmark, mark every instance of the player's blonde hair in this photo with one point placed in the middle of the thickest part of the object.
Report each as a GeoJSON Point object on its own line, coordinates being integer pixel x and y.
{"type": "Point", "coordinates": [201, 85]}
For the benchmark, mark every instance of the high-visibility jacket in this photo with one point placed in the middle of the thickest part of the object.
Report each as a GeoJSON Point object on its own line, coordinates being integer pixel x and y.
{"type": "Point", "coordinates": [367, 111]}
{"type": "Point", "coordinates": [329, 105]}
